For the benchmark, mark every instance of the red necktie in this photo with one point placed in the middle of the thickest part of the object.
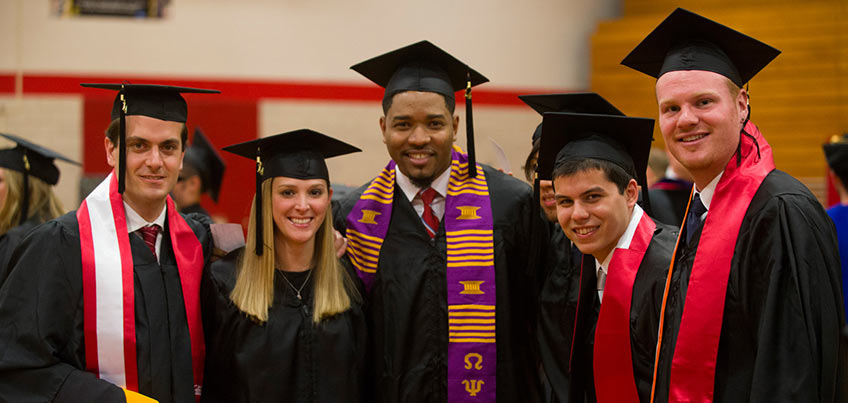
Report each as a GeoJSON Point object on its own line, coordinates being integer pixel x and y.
{"type": "Point", "coordinates": [431, 222]}
{"type": "Point", "coordinates": [149, 235]}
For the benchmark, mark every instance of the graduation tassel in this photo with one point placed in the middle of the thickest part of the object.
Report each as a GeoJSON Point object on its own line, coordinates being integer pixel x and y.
{"type": "Point", "coordinates": [122, 138]}
{"type": "Point", "coordinates": [260, 242]}
{"type": "Point", "coordinates": [25, 196]}
{"type": "Point", "coordinates": [469, 129]}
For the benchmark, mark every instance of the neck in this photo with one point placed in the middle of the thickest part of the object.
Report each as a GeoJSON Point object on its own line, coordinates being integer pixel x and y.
{"type": "Point", "coordinates": [148, 212]}
{"type": "Point", "coordinates": [702, 179]}
{"type": "Point", "coordinates": [843, 199]}
{"type": "Point", "coordinates": [291, 256]}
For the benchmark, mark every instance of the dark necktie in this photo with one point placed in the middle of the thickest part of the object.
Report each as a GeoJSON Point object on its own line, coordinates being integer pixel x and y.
{"type": "Point", "coordinates": [431, 222]}
{"type": "Point", "coordinates": [693, 220]}
{"type": "Point", "coordinates": [149, 235]}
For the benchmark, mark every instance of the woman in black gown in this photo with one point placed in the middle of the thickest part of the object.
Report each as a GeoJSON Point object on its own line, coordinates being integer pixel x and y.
{"type": "Point", "coordinates": [283, 317]}
{"type": "Point", "coordinates": [27, 176]}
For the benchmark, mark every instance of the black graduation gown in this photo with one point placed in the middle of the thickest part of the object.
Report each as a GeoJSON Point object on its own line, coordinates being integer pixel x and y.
{"type": "Point", "coordinates": [194, 209]}
{"type": "Point", "coordinates": [559, 287]}
{"type": "Point", "coordinates": [9, 241]}
{"type": "Point", "coordinates": [407, 305]}
{"type": "Point", "coordinates": [286, 359]}
{"type": "Point", "coordinates": [559, 303]}
{"type": "Point", "coordinates": [783, 310]}
{"type": "Point", "coordinates": [42, 349]}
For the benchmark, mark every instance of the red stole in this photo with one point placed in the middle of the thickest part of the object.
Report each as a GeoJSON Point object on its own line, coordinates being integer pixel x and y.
{"type": "Point", "coordinates": [613, 364]}
{"type": "Point", "coordinates": [694, 362]}
{"type": "Point", "coordinates": [108, 286]}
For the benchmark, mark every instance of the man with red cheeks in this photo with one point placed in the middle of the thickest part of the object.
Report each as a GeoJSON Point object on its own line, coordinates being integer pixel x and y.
{"type": "Point", "coordinates": [444, 246]}
{"type": "Point", "coordinates": [102, 304]}
{"type": "Point", "coordinates": [609, 318]}
{"type": "Point", "coordinates": [753, 310]}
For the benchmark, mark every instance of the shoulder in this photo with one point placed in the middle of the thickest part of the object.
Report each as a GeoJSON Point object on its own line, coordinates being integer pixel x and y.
{"type": "Point", "coordinates": [64, 226]}
{"type": "Point", "coordinates": [343, 205]}
{"type": "Point", "coordinates": [199, 224]}
{"type": "Point", "coordinates": [222, 272]}
{"type": "Point", "coordinates": [780, 190]}
{"type": "Point", "coordinates": [665, 237]}
{"type": "Point", "coordinates": [506, 190]}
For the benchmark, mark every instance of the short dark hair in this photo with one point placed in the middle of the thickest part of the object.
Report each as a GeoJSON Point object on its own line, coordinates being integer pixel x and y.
{"type": "Point", "coordinates": [114, 126]}
{"type": "Point", "coordinates": [450, 102]}
{"type": "Point", "coordinates": [612, 172]}
{"type": "Point", "coordinates": [532, 161]}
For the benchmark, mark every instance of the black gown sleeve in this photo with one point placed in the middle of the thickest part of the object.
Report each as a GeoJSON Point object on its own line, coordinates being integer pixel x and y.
{"type": "Point", "coordinates": [41, 352]}
{"type": "Point", "coordinates": [785, 277]}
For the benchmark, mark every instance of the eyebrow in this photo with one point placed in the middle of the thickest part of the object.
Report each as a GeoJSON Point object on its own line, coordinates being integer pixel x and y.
{"type": "Point", "coordinates": [594, 189]}
{"type": "Point", "coordinates": [694, 96]}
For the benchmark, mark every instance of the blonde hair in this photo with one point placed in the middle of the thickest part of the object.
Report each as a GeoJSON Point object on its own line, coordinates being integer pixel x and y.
{"type": "Point", "coordinates": [43, 203]}
{"type": "Point", "coordinates": [253, 293]}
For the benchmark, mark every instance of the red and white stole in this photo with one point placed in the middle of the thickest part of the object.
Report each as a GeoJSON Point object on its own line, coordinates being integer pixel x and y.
{"type": "Point", "coordinates": [108, 289]}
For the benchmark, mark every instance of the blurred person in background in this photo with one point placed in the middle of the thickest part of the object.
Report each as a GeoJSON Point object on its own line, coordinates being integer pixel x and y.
{"type": "Point", "coordinates": [203, 171]}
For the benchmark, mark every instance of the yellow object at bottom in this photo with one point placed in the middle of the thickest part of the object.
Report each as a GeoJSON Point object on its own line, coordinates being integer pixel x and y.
{"type": "Point", "coordinates": [135, 397]}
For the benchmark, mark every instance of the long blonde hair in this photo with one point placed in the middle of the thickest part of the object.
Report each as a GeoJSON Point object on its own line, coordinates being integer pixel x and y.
{"type": "Point", "coordinates": [43, 203]}
{"type": "Point", "coordinates": [253, 293]}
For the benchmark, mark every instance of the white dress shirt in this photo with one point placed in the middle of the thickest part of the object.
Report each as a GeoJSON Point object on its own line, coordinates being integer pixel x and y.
{"type": "Point", "coordinates": [440, 185]}
{"type": "Point", "coordinates": [708, 192]}
{"type": "Point", "coordinates": [623, 243]}
{"type": "Point", "coordinates": [135, 222]}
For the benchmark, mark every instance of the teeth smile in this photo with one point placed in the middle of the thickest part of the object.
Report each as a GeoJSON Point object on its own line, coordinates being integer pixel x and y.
{"type": "Point", "coordinates": [693, 138]}
{"type": "Point", "coordinates": [584, 231]}
{"type": "Point", "coordinates": [300, 220]}
{"type": "Point", "coordinates": [419, 156]}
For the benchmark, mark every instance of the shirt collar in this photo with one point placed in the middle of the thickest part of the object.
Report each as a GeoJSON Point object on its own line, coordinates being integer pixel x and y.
{"type": "Point", "coordinates": [440, 184]}
{"type": "Point", "coordinates": [626, 238]}
{"type": "Point", "coordinates": [709, 191]}
{"type": "Point", "coordinates": [134, 220]}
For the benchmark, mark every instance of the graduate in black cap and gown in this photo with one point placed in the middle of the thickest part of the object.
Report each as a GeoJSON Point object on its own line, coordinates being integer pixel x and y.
{"type": "Point", "coordinates": [283, 316]}
{"type": "Point", "coordinates": [27, 175]}
{"type": "Point", "coordinates": [203, 171]}
{"type": "Point", "coordinates": [754, 308]}
{"type": "Point", "coordinates": [836, 154]}
{"type": "Point", "coordinates": [447, 249]}
{"type": "Point", "coordinates": [102, 304]}
{"type": "Point", "coordinates": [608, 320]}
{"type": "Point", "coordinates": [561, 275]}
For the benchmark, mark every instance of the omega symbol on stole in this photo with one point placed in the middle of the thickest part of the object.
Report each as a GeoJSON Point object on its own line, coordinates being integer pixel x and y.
{"type": "Point", "coordinates": [468, 213]}
{"type": "Point", "coordinates": [473, 386]}
{"type": "Point", "coordinates": [368, 216]}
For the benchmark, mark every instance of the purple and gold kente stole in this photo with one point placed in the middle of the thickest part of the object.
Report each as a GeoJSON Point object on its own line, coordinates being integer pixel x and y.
{"type": "Point", "coordinates": [472, 348]}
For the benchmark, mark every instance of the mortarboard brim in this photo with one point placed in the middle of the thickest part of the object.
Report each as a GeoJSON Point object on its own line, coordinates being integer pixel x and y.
{"type": "Point", "coordinates": [624, 141]}
{"type": "Point", "coordinates": [573, 102]}
{"type": "Point", "coordinates": [688, 41]}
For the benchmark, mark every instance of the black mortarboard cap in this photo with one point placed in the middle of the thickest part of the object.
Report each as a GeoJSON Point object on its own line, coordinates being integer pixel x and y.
{"type": "Point", "coordinates": [298, 154]}
{"type": "Point", "coordinates": [204, 158]}
{"type": "Point", "coordinates": [688, 41]}
{"type": "Point", "coordinates": [31, 159]}
{"type": "Point", "coordinates": [425, 67]}
{"type": "Point", "coordinates": [573, 102]}
{"type": "Point", "coordinates": [836, 154]}
{"type": "Point", "coordinates": [162, 102]}
{"type": "Point", "coordinates": [624, 141]}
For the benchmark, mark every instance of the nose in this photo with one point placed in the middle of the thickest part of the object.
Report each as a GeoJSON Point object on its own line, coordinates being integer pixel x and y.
{"type": "Point", "coordinates": [579, 213]}
{"type": "Point", "coordinates": [302, 203]}
{"type": "Point", "coordinates": [419, 136]}
{"type": "Point", "coordinates": [687, 117]}
{"type": "Point", "coordinates": [154, 159]}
